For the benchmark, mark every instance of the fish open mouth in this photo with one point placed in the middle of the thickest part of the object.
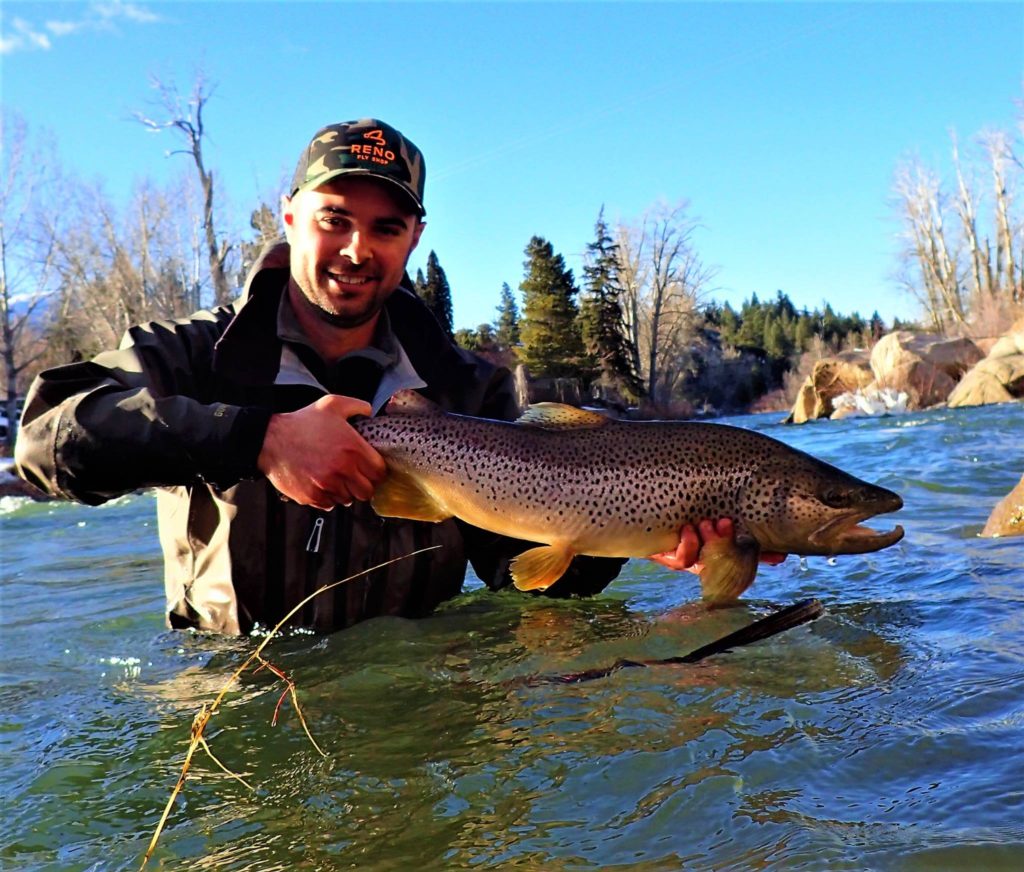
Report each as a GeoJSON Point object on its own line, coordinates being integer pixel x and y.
{"type": "Point", "coordinates": [846, 535]}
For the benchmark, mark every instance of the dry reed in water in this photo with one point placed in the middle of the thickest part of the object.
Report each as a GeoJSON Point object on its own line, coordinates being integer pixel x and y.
{"type": "Point", "coordinates": [206, 712]}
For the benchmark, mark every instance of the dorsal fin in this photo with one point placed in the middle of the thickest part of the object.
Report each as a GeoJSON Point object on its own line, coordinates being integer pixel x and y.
{"type": "Point", "coordinates": [557, 416]}
{"type": "Point", "coordinates": [411, 403]}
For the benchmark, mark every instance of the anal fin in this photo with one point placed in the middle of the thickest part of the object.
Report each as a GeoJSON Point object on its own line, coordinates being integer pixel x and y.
{"type": "Point", "coordinates": [401, 496]}
{"type": "Point", "coordinates": [729, 569]}
{"type": "Point", "coordinates": [541, 567]}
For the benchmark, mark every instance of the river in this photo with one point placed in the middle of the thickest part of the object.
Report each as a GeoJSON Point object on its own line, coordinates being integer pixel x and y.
{"type": "Point", "coordinates": [888, 734]}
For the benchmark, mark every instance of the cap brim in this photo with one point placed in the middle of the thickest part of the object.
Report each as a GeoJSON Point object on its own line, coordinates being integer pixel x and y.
{"type": "Point", "coordinates": [323, 178]}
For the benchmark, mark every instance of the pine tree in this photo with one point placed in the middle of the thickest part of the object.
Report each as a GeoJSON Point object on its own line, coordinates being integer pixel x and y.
{"type": "Point", "coordinates": [730, 325]}
{"type": "Point", "coordinates": [802, 333]}
{"type": "Point", "coordinates": [506, 332]}
{"type": "Point", "coordinates": [435, 292]}
{"type": "Point", "coordinates": [549, 330]}
{"type": "Point", "coordinates": [876, 327]}
{"type": "Point", "coordinates": [608, 349]}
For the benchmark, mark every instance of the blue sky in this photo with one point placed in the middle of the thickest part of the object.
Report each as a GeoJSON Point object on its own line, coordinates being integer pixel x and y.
{"type": "Point", "coordinates": [780, 123]}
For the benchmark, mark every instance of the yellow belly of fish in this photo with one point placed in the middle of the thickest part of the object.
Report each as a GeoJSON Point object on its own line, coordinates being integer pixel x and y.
{"type": "Point", "coordinates": [564, 529]}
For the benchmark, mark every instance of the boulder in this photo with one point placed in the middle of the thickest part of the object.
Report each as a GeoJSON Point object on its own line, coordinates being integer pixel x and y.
{"type": "Point", "coordinates": [829, 378]}
{"type": "Point", "coordinates": [1007, 518]}
{"type": "Point", "coordinates": [924, 366]}
{"type": "Point", "coordinates": [998, 378]}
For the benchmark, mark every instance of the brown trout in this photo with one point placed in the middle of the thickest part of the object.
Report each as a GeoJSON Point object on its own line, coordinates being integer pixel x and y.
{"type": "Point", "coordinates": [582, 483]}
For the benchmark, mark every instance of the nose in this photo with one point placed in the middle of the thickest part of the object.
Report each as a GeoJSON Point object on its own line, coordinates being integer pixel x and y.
{"type": "Point", "coordinates": [357, 248]}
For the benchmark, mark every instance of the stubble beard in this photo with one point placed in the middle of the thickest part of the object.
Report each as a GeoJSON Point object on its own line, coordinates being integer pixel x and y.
{"type": "Point", "coordinates": [323, 307]}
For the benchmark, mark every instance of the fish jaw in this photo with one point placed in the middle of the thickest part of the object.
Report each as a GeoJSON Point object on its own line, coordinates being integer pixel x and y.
{"type": "Point", "coordinates": [846, 535]}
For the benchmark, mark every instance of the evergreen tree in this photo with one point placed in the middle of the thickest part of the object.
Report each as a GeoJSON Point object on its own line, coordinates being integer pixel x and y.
{"type": "Point", "coordinates": [876, 327]}
{"type": "Point", "coordinates": [435, 293]}
{"type": "Point", "coordinates": [549, 329]}
{"type": "Point", "coordinates": [419, 285]}
{"type": "Point", "coordinates": [802, 333]}
{"type": "Point", "coordinates": [266, 224]}
{"type": "Point", "coordinates": [831, 327]}
{"type": "Point", "coordinates": [481, 339]}
{"type": "Point", "coordinates": [752, 318]}
{"type": "Point", "coordinates": [730, 325]}
{"type": "Point", "coordinates": [609, 354]}
{"type": "Point", "coordinates": [774, 342]}
{"type": "Point", "coordinates": [506, 332]}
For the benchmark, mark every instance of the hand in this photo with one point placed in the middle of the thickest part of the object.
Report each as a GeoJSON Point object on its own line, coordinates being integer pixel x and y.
{"type": "Point", "coordinates": [314, 456]}
{"type": "Point", "coordinates": [692, 539]}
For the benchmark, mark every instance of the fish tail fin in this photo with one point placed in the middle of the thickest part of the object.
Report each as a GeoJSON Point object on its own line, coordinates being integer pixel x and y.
{"type": "Point", "coordinates": [729, 568]}
{"type": "Point", "coordinates": [401, 496]}
{"type": "Point", "coordinates": [539, 568]}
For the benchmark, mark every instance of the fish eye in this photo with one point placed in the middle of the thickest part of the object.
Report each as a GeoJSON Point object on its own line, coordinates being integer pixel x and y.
{"type": "Point", "coordinates": [835, 497]}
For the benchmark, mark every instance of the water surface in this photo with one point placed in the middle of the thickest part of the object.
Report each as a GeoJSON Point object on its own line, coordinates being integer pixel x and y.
{"type": "Point", "coordinates": [887, 735]}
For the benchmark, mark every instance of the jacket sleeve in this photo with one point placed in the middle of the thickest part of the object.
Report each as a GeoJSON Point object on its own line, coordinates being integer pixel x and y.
{"type": "Point", "coordinates": [141, 416]}
{"type": "Point", "coordinates": [491, 554]}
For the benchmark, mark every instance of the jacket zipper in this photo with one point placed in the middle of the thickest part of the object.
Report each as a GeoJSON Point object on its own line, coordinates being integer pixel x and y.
{"type": "Point", "coordinates": [313, 545]}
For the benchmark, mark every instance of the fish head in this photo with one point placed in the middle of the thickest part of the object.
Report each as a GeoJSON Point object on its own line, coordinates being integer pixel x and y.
{"type": "Point", "coordinates": [799, 505]}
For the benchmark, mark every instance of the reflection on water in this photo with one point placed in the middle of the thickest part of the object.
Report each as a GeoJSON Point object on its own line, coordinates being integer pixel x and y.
{"type": "Point", "coordinates": [885, 735]}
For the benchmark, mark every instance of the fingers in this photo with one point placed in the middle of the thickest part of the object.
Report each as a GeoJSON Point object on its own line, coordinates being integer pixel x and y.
{"type": "Point", "coordinates": [686, 553]}
{"type": "Point", "coordinates": [315, 457]}
{"type": "Point", "coordinates": [693, 538]}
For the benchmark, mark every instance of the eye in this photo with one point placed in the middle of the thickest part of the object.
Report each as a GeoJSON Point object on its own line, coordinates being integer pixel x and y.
{"type": "Point", "coordinates": [837, 498]}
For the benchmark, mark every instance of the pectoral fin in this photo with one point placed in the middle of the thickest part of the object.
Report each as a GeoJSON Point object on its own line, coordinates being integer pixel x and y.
{"type": "Point", "coordinates": [401, 496]}
{"type": "Point", "coordinates": [729, 568]}
{"type": "Point", "coordinates": [541, 567]}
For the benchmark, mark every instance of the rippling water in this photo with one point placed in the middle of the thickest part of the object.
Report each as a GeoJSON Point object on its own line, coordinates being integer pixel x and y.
{"type": "Point", "coordinates": [887, 735]}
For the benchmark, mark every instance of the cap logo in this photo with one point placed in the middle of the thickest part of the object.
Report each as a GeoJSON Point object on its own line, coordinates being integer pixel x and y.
{"type": "Point", "coordinates": [378, 154]}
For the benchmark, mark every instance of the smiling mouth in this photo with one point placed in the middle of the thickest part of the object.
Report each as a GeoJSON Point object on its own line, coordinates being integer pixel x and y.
{"type": "Point", "coordinates": [348, 281]}
{"type": "Point", "coordinates": [846, 535]}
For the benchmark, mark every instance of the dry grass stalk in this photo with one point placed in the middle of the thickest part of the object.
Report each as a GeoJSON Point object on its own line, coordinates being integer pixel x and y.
{"type": "Point", "coordinates": [206, 712]}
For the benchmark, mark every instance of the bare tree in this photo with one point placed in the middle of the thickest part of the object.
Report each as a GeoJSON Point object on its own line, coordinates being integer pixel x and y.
{"type": "Point", "coordinates": [664, 280]}
{"type": "Point", "coordinates": [26, 255]}
{"type": "Point", "coordinates": [1009, 228]}
{"type": "Point", "coordinates": [931, 269]}
{"type": "Point", "coordinates": [186, 119]}
{"type": "Point", "coordinates": [963, 254]}
{"type": "Point", "coordinates": [118, 267]}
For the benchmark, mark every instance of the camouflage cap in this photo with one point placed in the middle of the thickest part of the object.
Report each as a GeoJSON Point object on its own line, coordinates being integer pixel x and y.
{"type": "Point", "coordinates": [365, 147]}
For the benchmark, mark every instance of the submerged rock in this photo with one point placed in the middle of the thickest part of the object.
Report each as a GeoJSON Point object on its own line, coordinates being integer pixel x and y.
{"type": "Point", "coordinates": [1007, 518]}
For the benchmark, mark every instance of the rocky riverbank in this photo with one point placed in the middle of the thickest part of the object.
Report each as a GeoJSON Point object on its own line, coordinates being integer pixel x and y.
{"type": "Point", "coordinates": [909, 371]}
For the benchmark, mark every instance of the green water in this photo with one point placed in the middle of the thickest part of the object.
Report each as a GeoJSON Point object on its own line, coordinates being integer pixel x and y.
{"type": "Point", "coordinates": [887, 735]}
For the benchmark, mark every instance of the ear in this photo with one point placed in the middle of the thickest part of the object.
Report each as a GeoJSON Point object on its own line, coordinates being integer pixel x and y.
{"type": "Point", "coordinates": [287, 215]}
{"type": "Point", "coordinates": [417, 231]}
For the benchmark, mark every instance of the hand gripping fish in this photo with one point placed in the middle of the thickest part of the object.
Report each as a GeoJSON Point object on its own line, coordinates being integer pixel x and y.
{"type": "Point", "coordinates": [582, 483]}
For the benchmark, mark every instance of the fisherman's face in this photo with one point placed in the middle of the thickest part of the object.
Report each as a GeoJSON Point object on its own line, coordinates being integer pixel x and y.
{"type": "Point", "coordinates": [350, 240]}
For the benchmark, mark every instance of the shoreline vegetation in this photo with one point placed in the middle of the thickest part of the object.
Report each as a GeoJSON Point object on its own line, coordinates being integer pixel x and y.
{"type": "Point", "coordinates": [639, 332]}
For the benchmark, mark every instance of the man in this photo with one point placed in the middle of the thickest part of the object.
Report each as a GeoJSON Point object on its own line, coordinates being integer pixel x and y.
{"type": "Point", "coordinates": [240, 416]}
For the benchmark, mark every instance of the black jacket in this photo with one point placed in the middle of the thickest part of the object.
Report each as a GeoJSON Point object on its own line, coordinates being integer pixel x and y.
{"type": "Point", "coordinates": [182, 406]}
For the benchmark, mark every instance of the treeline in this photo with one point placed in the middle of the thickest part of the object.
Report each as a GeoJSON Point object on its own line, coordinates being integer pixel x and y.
{"type": "Point", "coordinates": [583, 334]}
{"type": "Point", "coordinates": [637, 326]}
